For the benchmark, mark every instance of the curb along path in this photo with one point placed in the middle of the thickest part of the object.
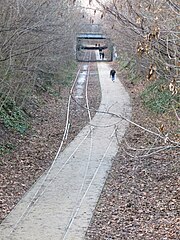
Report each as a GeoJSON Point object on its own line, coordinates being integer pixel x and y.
{"type": "Point", "coordinates": [75, 182]}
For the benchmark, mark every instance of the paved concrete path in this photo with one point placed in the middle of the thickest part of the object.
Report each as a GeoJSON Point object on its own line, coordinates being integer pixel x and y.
{"type": "Point", "coordinates": [70, 193]}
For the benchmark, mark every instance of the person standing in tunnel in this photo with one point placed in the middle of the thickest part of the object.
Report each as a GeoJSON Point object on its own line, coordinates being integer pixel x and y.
{"type": "Point", "coordinates": [102, 55]}
{"type": "Point", "coordinates": [100, 52]}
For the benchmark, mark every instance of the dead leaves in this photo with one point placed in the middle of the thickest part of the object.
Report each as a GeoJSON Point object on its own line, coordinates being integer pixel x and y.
{"type": "Point", "coordinates": [144, 46]}
{"type": "Point", "coordinates": [172, 87]}
{"type": "Point", "coordinates": [154, 34]}
{"type": "Point", "coordinates": [138, 20]}
{"type": "Point", "coordinates": [162, 128]}
{"type": "Point", "coordinates": [152, 73]}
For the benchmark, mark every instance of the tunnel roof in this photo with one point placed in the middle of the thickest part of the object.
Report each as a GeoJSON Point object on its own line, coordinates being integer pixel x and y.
{"type": "Point", "coordinates": [91, 36]}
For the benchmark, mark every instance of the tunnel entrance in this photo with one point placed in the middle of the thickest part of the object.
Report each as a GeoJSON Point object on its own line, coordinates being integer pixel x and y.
{"type": "Point", "coordinates": [93, 47]}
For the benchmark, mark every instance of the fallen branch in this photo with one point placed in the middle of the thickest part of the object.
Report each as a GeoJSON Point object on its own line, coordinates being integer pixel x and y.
{"type": "Point", "coordinates": [165, 138]}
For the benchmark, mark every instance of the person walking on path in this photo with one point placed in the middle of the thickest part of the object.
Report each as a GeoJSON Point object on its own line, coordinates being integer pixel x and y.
{"type": "Point", "coordinates": [112, 74]}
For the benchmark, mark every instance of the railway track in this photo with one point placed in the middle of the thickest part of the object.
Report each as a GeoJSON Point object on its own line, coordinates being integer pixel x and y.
{"type": "Point", "coordinates": [62, 202]}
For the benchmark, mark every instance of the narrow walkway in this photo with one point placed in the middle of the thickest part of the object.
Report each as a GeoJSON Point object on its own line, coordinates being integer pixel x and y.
{"type": "Point", "coordinates": [70, 193]}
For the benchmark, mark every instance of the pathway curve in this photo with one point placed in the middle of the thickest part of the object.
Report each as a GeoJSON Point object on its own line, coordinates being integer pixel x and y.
{"type": "Point", "coordinates": [71, 191]}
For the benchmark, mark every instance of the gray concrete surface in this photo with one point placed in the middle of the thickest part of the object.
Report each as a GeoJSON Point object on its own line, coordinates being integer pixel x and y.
{"type": "Point", "coordinates": [72, 188]}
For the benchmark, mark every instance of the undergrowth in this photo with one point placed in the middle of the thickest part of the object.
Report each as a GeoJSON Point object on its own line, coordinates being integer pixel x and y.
{"type": "Point", "coordinates": [49, 82]}
{"type": "Point", "coordinates": [156, 95]}
{"type": "Point", "coordinates": [13, 117]}
{"type": "Point", "coordinates": [130, 66]}
{"type": "Point", "coordinates": [6, 148]}
{"type": "Point", "coordinates": [158, 98]}
{"type": "Point", "coordinates": [67, 74]}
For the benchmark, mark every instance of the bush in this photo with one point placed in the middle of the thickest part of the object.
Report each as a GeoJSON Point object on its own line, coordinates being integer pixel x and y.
{"type": "Point", "coordinates": [13, 117]}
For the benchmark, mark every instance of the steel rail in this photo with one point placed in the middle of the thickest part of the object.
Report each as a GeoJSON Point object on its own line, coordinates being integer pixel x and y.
{"type": "Point", "coordinates": [87, 189]}
{"type": "Point", "coordinates": [78, 199]}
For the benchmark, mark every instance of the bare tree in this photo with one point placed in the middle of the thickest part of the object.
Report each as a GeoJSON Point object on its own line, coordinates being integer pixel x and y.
{"type": "Point", "coordinates": [36, 37]}
{"type": "Point", "coordinates": [146, 33]}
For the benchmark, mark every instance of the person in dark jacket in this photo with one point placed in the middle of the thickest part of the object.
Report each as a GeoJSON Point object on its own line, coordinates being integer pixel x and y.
{"type": "Point", "coordinates": [112, 74]}
{"type": "Point", "coordinates": [102, 55]}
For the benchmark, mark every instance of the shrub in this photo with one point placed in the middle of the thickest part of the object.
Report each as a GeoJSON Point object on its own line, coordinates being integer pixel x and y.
{"type": "Point", "coordinates": [13, 117]}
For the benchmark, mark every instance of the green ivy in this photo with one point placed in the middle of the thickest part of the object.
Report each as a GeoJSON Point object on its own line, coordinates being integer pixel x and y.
{"type": "Point", "coordinates": [13, 117]}
{"type": "Point", "coordinates": [6, 148]}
